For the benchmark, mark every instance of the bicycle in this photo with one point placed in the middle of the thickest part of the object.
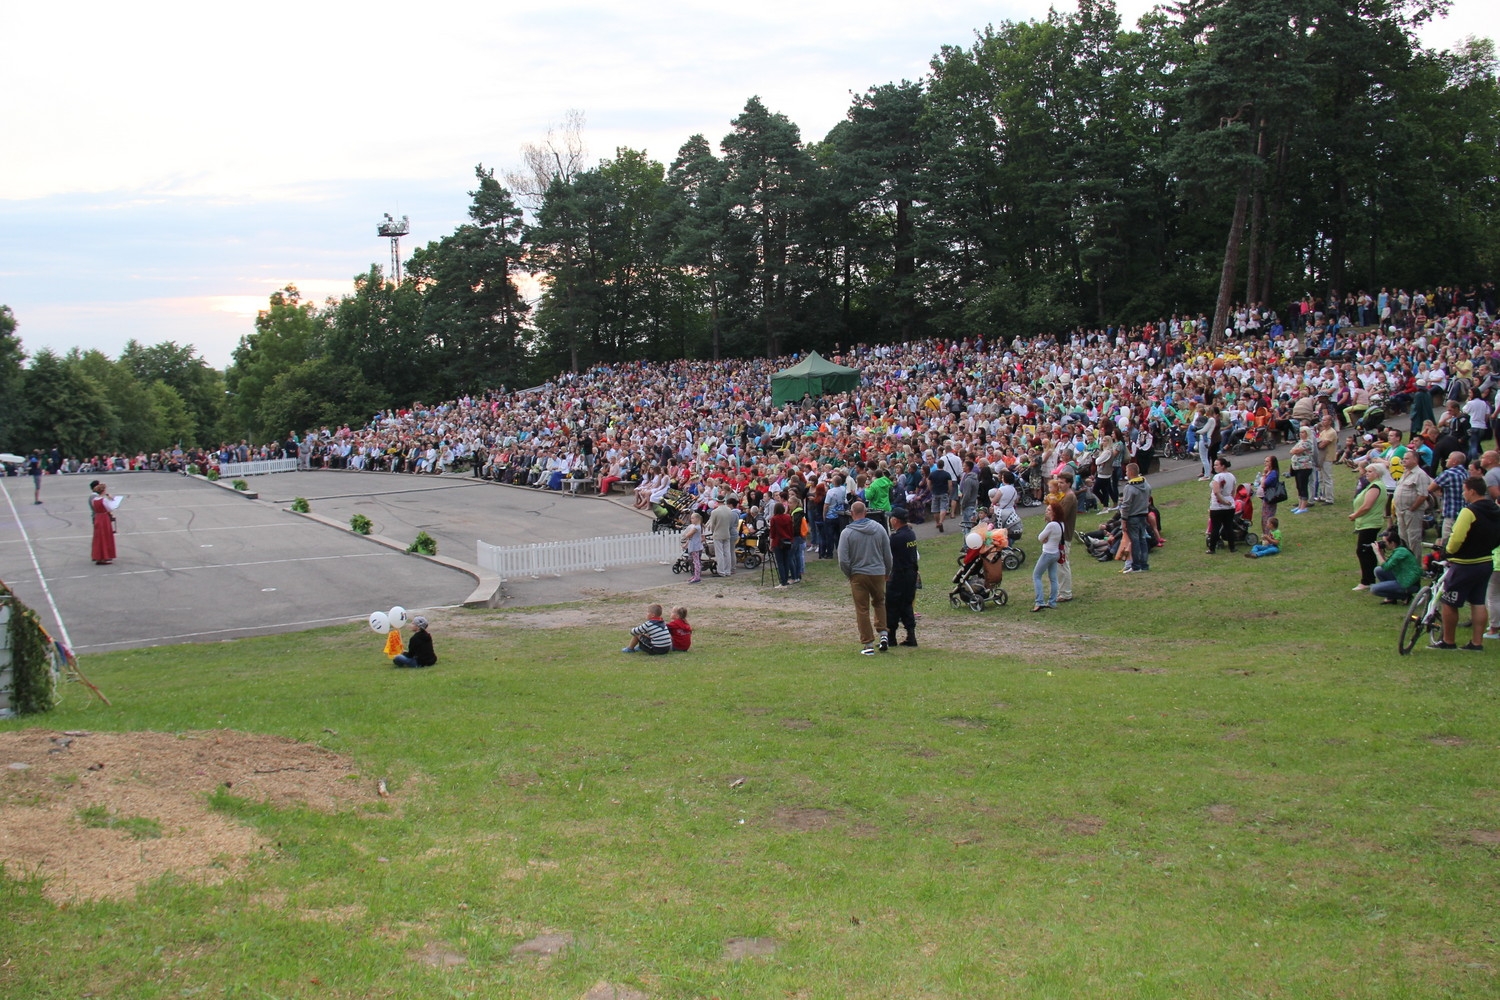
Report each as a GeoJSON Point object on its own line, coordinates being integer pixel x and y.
{"type": "Point", "coordinates": [1424, 615]}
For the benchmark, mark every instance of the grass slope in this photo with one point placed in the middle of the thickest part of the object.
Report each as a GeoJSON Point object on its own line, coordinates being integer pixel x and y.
{"type": "Point", "coordinates": [1218, 780]}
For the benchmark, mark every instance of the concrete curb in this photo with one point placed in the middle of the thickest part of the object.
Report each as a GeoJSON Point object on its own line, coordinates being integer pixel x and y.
{"type": "Point", "coordinates": [488, 591]}
{"type": "Point", "coordinates": [221, 484]}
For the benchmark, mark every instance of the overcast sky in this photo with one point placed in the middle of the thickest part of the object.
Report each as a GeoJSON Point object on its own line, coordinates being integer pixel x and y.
{"type": "Point", "coordinates": [167, 165]}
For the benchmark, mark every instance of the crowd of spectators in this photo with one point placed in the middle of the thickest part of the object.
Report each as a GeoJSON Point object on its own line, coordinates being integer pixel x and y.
{"type": "Point", "coordinates": [1029, 406]}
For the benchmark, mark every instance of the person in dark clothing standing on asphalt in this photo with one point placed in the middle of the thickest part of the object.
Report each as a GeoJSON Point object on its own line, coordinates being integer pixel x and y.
{"type": "Point", "coordinates": [901, 590]}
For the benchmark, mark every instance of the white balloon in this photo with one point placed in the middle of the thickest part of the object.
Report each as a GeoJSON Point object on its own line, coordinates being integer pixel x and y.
{"type": "Point", "coordinates": [398, 618]}
{"type": "Point", "coordinates": [379, 622]}
{"type": "Point", "coordinates": [972, 540]}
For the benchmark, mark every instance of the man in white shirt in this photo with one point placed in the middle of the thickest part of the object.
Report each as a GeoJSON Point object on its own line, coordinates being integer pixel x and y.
{"type": "Point", "coordinates": [1478, 412]}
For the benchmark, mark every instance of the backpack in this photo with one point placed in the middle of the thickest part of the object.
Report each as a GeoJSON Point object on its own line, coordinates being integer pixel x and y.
{"type": "Point", "coordinates": [799, 522]}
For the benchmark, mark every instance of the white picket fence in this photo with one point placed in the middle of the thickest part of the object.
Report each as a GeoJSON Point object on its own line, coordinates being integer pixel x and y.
{"type": "Point", "coordinates": [227, 469]}
{"type": "Point", "coordinates": [557, 558]}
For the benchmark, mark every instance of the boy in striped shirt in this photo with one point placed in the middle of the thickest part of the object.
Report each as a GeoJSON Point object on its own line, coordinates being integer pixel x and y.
{"type": "Point", "coordinates": [651, 636]}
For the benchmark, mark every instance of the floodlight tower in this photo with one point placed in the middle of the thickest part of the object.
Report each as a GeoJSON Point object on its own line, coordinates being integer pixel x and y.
{"type": "Point", "coordinates": [395, 230]}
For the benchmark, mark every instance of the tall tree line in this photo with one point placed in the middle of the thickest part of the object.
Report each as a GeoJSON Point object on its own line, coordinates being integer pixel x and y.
{"type": "Point", "coordinates": [1052, 173]}
{"type": "Point", "coordinates": [84, 403]}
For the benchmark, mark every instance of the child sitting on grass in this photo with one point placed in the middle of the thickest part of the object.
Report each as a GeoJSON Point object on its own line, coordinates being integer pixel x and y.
{"type": "Point", "coordinates": [1269, 544]}
{"type": "Point", "coordinates": [682, 632]}
{"type": "Point", "coordinates": [419, 651]}
{"type": "Point", "coordinates": [650, 636]}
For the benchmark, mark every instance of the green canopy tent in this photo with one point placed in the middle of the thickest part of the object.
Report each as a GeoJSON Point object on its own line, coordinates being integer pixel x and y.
{"type": "Point", "coordinates": [814, 375]}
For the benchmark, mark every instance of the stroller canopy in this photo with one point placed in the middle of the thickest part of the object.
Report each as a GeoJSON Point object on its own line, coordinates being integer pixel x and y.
{"type": "Point", "coordinates": [814, 375]}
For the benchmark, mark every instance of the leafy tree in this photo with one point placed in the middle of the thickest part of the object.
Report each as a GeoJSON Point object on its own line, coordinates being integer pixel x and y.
{"type": "Point", "coordinates": [378, 331]}
{"type": "Point", "coordinates": [63, 408]}
{"type": "Point", "coordinates": [319, 392]}
{"type": "Point", "coordinates": [698, 217]}
{"type": "Point", "coordinates": [196, 383]}
{"type": "Point", "coordinates": [602, 242]}
{"type": "Point", "coordinates": [767, 189]}
{"type": "Point", "coordinates": [287, 333]}
{"type": "Point", "coordinates": [12, 374]}
{"type": "Point", "coordinates": [472, 311]}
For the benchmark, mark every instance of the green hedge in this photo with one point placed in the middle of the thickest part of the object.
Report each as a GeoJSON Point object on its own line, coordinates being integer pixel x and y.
{"type": "Point", "coordinates": [33, 686]}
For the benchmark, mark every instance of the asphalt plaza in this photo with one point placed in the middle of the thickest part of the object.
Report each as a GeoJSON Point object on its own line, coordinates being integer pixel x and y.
{"type": "Point", "coordinates": [198, 562]}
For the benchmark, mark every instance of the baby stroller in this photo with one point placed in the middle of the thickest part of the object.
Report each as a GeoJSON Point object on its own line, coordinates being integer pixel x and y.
{"type": "Point", "coordinates": [672, 512]}
{"type": "Point", "coordinates": [707, 562]}
{"type": "Point", "coordinates": [1012, 554]}
{"type": "Point", "coordinates": [748, 549]}
{"type": "Point", "coordinates": [977, 582]}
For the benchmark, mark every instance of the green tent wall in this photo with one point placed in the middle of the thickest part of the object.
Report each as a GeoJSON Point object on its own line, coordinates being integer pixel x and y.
{"type": "Point", "coordinates": [814, 375]}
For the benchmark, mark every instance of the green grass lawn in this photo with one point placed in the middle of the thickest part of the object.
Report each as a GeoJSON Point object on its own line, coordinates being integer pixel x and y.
{"type": "Point", "coordinates": [1217, 780]}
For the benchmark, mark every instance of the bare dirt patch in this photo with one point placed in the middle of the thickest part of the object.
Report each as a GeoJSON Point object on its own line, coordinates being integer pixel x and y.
{"type": "Point", "coordinates": [1080, 826]}
{"type": "Point", "coordinates": [613, 991]}
{"type": "Point", "coordinates": [1447, 741]}
{"type": "Point", "coordinates": [1221, 813]}
{"type": "Point", "coordinates": [1483, 838]}
{"type": "Point", "coordinates": [153, 789]}
{"type": "Point", "coordinates": [802, 819]}
{"type": "Point", "coordinates": [439, 956]}
{"type": "Point", "coordinates": [543, 948]}
{"type": "Point", "coordinates": [738, 948]}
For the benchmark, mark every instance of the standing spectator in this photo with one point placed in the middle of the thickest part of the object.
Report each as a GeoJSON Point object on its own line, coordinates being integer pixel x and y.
{"type": "Point", "coordinates": [692, 544]}
{"type": "Point", "coordinates": [1327, 453]}
{"type": "Point", "coordinates": [724, 525]}
{"type": "Point", "coordinates": [34, 470]}
{"type": "Point", "coordinates": [1471, 554]}
{"type": "Point", "coordinates": [878, 497]}
{"type": "Point", "coordinates": [1478, 412]}
{"type": "Point", "coordinates": [781, 544]}
{"type": "Point", "coordinates": [1221, 506]}
{"type": "Point", "coordinates": [901, 592]}
{"type": "Point", "coordinates": [968, 497]}
{"type": "Point", "coordinates": [1135, 510]}
{"type": "Point", "coordinates": [1449, 486]}
{"type": "Point", "coordinates": [865, 560]}
{"type": "Point", "coordinates": [1067, 506]}
{"type": "Point", "coordinates": [1271, 490]}
{"type": "Point", "coordinates": [941, 482]}
{"type": "Point", "coordinates": [1410, 500]}
{"type": "Point", "coordinates": [1046, 564]}
{"type": "Point", "coordinates": [835, 516]}
{"type": "Point", "coordinates": [1303, 459]}
{"type": "Point", "coordinates": [1368, 517]}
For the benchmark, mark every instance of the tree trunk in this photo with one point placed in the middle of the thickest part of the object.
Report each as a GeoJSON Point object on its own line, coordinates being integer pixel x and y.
{"type": "Point", "coordinates": [906, 268]}
{"type": "Point", "coordinates": [1273, 212]}
{"type": "Point", "coordinates": [1231, 262]}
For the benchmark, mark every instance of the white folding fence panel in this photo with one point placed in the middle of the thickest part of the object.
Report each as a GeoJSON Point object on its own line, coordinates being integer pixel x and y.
{"type": "Point", "coordinates": [228, 469]}
{"type": "Point", "coordinates": [557, 558]}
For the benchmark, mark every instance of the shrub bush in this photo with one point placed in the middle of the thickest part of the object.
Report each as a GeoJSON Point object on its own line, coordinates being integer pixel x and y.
{"type": "Point", "coordinates": [301, 506]}
{"type": "Point", "coordinates": [240, 485]}
{"type": "Point", "coordinates": [424, 543]}
{"type": "Point", "coordinates": [360, 524]}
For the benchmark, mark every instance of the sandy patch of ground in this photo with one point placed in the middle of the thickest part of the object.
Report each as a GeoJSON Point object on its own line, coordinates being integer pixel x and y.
{"type": "Point", "coordinates": [99, 814]}
{"type": "Point", "coordinates": [735, 607]}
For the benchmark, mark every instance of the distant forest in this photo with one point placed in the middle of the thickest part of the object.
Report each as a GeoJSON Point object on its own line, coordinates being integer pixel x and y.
{"type": "Point", "coordinates": [1052, 174]}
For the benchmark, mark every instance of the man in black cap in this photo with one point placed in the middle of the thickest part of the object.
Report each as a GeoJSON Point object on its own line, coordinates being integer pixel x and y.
{"type": "Point", "coordinates": [901, 589]}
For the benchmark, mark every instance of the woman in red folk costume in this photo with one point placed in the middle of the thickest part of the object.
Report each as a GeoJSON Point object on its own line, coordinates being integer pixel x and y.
{"type": "Point", "coordinates": [103, 505]}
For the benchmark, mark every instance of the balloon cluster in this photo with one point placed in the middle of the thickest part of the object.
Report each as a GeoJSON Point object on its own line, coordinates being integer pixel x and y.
{"type": "Point", "coordinates": [384, 621]}
{"type": "Point", "coordinates": [998, 537]}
